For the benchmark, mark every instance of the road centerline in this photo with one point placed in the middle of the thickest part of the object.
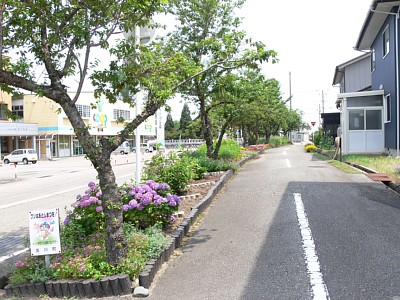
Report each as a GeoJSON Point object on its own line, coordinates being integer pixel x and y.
{"type": "Point", "coordinates": [318, 287]}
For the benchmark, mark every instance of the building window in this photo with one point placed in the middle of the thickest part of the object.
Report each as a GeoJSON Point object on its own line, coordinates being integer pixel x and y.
{"type": "Point", "coordinates": [373, 60]}
{"type": "Point", "coordinates": [84, 110]}
{"type": "Point", "coordinates": [18, 110]}
{"type": "Point", "coordinates": [386, 41]}
{"type": "Point", "coordinates": [368, 119]}
{"type": "Point", "coordinates": [124, 114]}
{"type": "Point", "coordinates": [373, 120]}
{"type": "Point", "coordinates": [356, 119]}
{"type": "Point", "coordinates": [387, 109]}
{"type": "Point", "coordinates": [3, 114]}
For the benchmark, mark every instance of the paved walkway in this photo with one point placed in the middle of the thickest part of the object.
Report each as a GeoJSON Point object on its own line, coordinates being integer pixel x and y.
{"type": "Point", "coordinates": [238, 251]}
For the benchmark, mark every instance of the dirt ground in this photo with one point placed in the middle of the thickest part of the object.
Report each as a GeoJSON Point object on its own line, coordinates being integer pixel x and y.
{"type": "Point", "coordinates": [193, 189]}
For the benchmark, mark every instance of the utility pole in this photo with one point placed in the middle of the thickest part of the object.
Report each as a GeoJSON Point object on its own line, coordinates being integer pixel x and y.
{"type": "Point", "coordinates": [290, 90]}
{"type": "Point", "coordinates": [323, 106]}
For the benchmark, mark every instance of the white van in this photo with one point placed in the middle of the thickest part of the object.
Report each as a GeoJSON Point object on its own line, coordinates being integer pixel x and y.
{"type": "Point", "coordinates": [21, 155]}
{"type": "Point", "coordinates": [144, 148]}
{"type": "Point", "coordinates": [124, 148]}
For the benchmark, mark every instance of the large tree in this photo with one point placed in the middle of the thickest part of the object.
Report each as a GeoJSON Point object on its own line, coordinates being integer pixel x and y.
{"type": "Point", "coordinates": [208, 34]}
{"type": "Point", "coordinates": [185, 121]}
{"type": "Point", "coordinates": [169, 123]}
{"type": "Point", "coordinates": [58, 38]}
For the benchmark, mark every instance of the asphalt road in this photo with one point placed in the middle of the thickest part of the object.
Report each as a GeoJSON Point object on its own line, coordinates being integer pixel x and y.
{"type": "Point", "coordinates": [289, 226]}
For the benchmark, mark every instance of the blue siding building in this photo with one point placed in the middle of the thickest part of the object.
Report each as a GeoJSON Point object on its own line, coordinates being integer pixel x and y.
{"type": "Point", "coordinates": [376, 113]}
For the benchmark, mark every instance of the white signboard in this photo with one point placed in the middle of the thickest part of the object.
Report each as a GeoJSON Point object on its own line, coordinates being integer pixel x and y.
{"type": "Point", "coordinates": [148, 127]}
{"type": "Point", "coordinates": [44, 232]}
{"type": "Point", "coordinates": [18, 129]}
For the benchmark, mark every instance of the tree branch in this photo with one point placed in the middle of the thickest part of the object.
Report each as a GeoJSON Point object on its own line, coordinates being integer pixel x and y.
{"type": "Point", "coordinates": [17, 81]}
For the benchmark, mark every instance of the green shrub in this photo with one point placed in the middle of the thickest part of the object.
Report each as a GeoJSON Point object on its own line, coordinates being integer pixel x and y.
{"type": "Point", "coordinates": [276, 141]}
{"type": "Point", "coordinates": [31, 269]}
{"type": "Point", "coordinates": [230, 150]}
{"type": "Point", "coordinates": [176, 170]}
{"type": "Point", "coordinates": [212, 165]}
{"type": "Point", "coordinates": [87, 258]}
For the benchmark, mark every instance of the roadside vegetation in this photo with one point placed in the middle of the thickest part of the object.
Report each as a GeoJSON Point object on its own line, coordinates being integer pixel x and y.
{"type": "Point", "coordinates": [323, 148]}
{"type": "Point", "coordinates": [379, 163]}
{"type": "Point", "coordinates": [149, 209]}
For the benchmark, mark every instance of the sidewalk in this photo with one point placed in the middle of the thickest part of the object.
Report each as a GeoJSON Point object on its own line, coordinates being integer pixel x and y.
{"type": "Point", "coordinates": [238, 251]}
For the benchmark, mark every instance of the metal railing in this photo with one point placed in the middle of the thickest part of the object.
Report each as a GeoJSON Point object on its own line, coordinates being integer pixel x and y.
{"type": "Point", "coordinates": [184, 143]}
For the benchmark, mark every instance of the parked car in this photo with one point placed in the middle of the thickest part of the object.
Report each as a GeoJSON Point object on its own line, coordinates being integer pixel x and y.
{"type": "Point", "coordinates": [144, 148]}
{"type": "Point", "coordinates": [124, 148]}
{"type": "Point", "coordinates": [21, 155]}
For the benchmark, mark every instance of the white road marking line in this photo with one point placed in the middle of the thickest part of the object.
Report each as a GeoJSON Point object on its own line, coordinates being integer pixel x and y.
{"type": "Point", "coordinates": [284, 152]}
{"type": "Point", "coordinates": [288, 164]}
{"type": "Point", "coordinates": [318, 287]}
{"type": "Point", "coordinates": [49, 195]}
{"type": "Point", "coordinates": [3, 258]}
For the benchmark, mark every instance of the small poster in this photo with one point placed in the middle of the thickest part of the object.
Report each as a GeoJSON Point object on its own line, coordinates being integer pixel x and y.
{"type": "Point", "coordinates": [44, 232]}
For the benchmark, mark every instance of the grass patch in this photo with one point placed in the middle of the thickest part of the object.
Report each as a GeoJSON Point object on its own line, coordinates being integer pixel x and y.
{"type": "Point", "coordinates": [337, 164]}
{"type": "Point", "coordinates": [321, 156]}
{"type": "Point", "coordinates": [344, 167]}
{"type": "Point", "coordinates": [380, 163]}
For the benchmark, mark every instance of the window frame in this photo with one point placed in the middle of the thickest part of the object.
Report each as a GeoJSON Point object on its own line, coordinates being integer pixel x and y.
{"type": "Point", "coordinates": [386, 41]}
{"type": "Point", "coordinates": [387, 109]}
{"type": "Point", "coordinates": [373, 60]}
{"type": "Point", "coordinates": [125, 114]}
{"type": "Point", "coordinates": [3, 108]}
{"type": "Point", "coordinates": [84, 110]}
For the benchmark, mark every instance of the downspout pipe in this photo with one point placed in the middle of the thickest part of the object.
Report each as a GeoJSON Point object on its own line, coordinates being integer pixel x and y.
{"type": "Point", "coordinates": [397, 75]}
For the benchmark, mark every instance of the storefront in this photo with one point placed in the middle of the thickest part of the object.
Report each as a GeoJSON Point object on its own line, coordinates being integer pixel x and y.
{"type": "Point", "coordinates": [16, 135]}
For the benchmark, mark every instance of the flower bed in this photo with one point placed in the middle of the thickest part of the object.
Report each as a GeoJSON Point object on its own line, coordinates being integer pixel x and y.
{"type": "Point", "coordinates": [120, 285]}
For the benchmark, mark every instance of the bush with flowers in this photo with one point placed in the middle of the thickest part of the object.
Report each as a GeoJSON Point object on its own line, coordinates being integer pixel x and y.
{"type": "Point", "coordinates": [147, 208]}
{"type": "Point", "coordinates": [149, 204]}
{"type": "Point", "coordinates": [310, 148]}
{"type": "Point", "coordinates": [143, 205]}
{"type": "Point", "coordinates": [86, 257]}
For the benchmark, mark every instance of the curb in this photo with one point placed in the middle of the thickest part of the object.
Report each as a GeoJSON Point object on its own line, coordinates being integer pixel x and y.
{"type": "Point", "coordinates": [392, 185]}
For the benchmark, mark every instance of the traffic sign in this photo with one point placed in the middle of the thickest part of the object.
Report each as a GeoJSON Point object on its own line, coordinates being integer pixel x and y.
{"type": "Point", "coordinates": [313, 123]}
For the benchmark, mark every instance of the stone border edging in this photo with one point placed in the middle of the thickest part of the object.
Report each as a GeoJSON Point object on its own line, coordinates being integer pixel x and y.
{"type": "Point", "coordinates": [118, 285]}
{"type": "Point", "coordinates": [109, 286]}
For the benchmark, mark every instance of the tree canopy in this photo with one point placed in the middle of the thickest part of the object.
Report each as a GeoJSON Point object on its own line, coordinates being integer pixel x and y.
{"type": "Point", "coordinates": [59, 38]}
{"type": "Point", "coordinates": [208, 34]}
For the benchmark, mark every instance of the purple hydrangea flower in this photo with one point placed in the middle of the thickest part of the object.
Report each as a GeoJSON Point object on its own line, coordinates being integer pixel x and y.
{"type": "Point", "coordinates": [99, 208]}
{"type": "Point", "coordinates": [125, 207]}
{"type": "Point", "coordinates": [133, 203]}
{"type": "Point", "coordinates": [93, 200]}
{"type": "Point", "coordinates": [66, 221]}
